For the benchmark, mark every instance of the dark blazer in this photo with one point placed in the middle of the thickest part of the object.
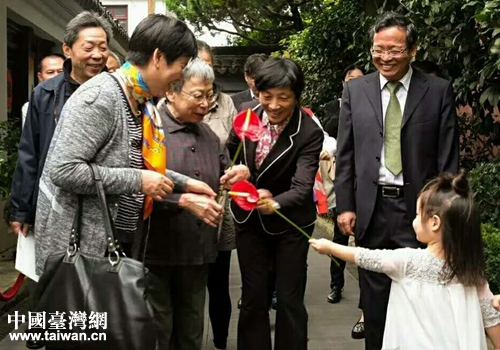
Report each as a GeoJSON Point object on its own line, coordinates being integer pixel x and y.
{"type": "Point", "coordinates": [288, 172]}
{"type": "Point", "coordinates": [241, 97]}
{"type": "Point", "coordinates": [332, 113]}
{"type": "Point", "coordinates": [429, 142]}
{"type": "Point", "coordinates": [46, 104]}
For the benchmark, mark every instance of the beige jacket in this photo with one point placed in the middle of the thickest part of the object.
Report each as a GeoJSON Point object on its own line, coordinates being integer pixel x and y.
{"type": "Point", "coordinates": [220, 119]}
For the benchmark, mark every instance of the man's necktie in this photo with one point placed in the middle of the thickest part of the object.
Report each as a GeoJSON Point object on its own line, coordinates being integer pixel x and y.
{"type": "Point", "coordinates": [392, 135]}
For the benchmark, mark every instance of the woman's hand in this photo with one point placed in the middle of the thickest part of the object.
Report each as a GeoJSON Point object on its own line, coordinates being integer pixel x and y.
{"type": "Point", "coordinates": [266, 202]}
{"type": "Point", "coordinates": [156, 185]}
{"type": "Point", "coordinates": [199, 187]}
{"type": "Point", "coordinates": [236, 173]}
{"type": "Point", "coordinates": [203, 207]}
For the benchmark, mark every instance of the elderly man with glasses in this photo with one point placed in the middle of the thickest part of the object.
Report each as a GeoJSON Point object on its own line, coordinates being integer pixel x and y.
{"type": "Point", "coordinates": [181, 245]}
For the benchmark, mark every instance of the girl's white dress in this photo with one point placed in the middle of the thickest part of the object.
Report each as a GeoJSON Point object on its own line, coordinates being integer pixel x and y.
{"type": "Point", "coordinates": [423, 311]}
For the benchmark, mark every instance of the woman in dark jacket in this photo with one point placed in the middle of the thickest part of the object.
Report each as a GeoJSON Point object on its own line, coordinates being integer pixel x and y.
{"type": "Point", "coordinates": [282, 165]}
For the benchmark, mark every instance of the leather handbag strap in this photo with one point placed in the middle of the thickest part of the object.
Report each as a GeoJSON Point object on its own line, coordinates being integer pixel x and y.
{"type": "Point", "coordinates": [114, 247]}
{"type": "Point", "coordinates": [74, 240]}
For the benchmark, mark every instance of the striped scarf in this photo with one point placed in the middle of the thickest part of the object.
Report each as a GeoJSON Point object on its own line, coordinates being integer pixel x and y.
{"type": "Point", "coordinates": [154, 149]}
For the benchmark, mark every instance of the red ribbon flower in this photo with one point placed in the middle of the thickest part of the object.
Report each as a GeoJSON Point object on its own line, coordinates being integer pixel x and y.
{"type": "Point", "coordinates": [245, 195]}
{"type": "Point", "coordinates": [247, 125]}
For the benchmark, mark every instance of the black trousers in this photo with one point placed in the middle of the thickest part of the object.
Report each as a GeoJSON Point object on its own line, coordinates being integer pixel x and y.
{"type": "Point", "coordinates": [337, 271]}
{"type": "Point", "coordinates": [219, 301]}
{"type": "Point", "coordinates": [389, 228]}
{"type": "Point", "coordinates": [256, 252]}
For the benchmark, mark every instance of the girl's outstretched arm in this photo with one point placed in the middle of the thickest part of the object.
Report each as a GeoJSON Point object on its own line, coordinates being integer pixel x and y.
{"type": "Point", "coordinates": [324, 246]}
{"type": "Point", "coordinates": [491, 316]}
{"type": "Point", "coordinates": [390, 262]}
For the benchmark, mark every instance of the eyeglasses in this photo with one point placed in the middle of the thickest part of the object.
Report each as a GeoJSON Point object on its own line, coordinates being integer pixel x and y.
{"type": "Point", "coordinates": [198, 98]}
{"type": "Point", "coordinates": [390, 53]}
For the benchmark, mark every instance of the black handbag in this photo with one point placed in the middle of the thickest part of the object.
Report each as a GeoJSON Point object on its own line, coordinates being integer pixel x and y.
{"type": "Point", "coordinates": [114, 286]}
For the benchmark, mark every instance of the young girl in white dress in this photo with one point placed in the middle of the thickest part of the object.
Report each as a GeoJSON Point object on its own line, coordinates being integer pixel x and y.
{"type": "Point", "coordinates": [439, 297]}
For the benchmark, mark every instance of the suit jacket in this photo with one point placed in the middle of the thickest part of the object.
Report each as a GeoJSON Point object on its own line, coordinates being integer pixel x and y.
{"type": "Point", "coordinates": [429, 142]}
{"type": "Point", "coordinates": [45, 107]}
{"type": "Point", "coordinates": [288, 172]}
{"type": "Point", "coordinates": [332, 112]}
{"type": "Point", "coordinates": [241, 97]}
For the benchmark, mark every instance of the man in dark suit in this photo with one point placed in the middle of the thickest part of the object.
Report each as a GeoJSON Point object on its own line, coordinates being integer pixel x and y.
{"type": "Point", "coordinates": [252, 66]}
{"type": "Point", "coordinates": [398, 129]}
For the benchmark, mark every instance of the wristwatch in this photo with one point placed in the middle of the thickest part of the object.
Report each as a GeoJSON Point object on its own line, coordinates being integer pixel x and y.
{"type": "Point", "coordinates": [276, 205]}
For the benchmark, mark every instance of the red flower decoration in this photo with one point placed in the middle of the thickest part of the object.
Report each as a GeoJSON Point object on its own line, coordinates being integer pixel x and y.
{"type": "Point", "coordinates": [247, 125]}
{"type": "Point", "coordinates": [245, 195]}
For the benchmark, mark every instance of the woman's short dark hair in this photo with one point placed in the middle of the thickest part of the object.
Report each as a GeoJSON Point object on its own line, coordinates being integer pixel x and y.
{"type": "Point", "coordinates": [393, 19]}
{"type": "Point", "coordinates": [350, 68]}
{"type": "Point", "coordinates": [167, 34]}
{"type": "Point", "coordinates": [280, 72]}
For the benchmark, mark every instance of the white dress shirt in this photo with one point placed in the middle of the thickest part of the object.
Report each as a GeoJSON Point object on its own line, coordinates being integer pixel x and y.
{"type": "Point", "coordinates": [24, 112]}
{"type": "Point", "coordinates": [385, 177]}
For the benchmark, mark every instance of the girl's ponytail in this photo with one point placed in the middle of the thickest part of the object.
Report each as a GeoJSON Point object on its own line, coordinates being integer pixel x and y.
{"type": "Point", "coordinates": [461, 184]}
{"type": "Point", "coordinates": [449, 197]}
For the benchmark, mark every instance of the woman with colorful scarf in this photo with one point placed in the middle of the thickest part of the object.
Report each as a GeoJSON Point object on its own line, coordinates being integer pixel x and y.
{"type": "Point", "coordinates": [111, 121]}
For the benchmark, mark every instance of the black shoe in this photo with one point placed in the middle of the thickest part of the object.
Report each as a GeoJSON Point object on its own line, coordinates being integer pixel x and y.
{"type": "Point", "coordinates": [239, 303]}
{"type": "Point", "coordinates": [33, 344]}
{"type": "Point", "coordinates": [335, 295]}
{"type": "Point", "coordinates": [358, 331]}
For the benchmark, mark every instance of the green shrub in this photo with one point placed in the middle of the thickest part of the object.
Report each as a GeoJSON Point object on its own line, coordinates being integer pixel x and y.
{"type": "Point", "coordinates": [10, 132]}
{"type": "Point", "coordinates": [485, 182]}
{"type": "Point", "coordinates": [491, 238]}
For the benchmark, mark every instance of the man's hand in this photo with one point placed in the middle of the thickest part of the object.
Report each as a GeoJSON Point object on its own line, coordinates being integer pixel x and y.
{"type": "Point", "coordinates": [346, 222]}
{"type": "Point", "coordinates": [16, 227]}
{"type": "Point", "coordinates": [199, 187]}
{"type": "Point", "coordinates": [203, 207]}
{"type": "Point", "coordinates": [156, 185]}
{"type": "Point", "coordinates": [266, 202]}
{"type": "Point", "coordinates": [235, 174]}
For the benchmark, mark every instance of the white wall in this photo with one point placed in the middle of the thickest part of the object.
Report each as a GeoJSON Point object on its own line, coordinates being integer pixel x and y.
{"type": "Point", "coordinates": [138, 10]}
{"type": "Point", "coordinates": [218, 38]}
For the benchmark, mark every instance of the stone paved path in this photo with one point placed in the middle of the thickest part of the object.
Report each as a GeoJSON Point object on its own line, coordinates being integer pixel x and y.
{"type": "Point", "coordinates": [329, 325]}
